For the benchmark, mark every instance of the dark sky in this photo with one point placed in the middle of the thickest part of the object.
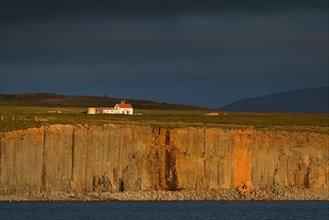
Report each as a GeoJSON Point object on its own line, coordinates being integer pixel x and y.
{"type": "Point", "coordinates": [205, 53]}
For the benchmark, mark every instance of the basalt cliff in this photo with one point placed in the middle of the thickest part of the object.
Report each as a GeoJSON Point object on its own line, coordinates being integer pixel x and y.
{"type": "Point", "coordinates": [131, 158]}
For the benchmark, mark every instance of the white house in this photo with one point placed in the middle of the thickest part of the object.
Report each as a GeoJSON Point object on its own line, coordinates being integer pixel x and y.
{"type": "Point", "coordinates": [122, 108]}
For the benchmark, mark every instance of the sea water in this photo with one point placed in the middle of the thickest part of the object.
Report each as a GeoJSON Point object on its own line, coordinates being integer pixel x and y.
{"type": "Point", "coordinates": [164, 210]}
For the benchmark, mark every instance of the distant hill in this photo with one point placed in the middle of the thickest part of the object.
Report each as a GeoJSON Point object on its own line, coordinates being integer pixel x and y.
{"type": "Point", "coordinates": [54, 100]}
{"type": "Point", "coordinates": [313, 100]}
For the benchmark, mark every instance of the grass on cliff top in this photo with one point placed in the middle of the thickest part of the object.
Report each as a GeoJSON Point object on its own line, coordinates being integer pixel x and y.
{"type": "Point", "coordinates": [17, 118]}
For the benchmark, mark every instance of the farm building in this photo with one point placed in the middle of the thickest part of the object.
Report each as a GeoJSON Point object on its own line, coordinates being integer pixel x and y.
{"type": "Point", "coordinates": [122, 108]}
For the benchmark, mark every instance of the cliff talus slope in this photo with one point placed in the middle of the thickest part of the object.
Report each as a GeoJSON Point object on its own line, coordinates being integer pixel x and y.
{"type": "Point", "coordinates": [113, 158]}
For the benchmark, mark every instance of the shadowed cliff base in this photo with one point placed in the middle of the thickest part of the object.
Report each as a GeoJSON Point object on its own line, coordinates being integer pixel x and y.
{"type": "Point", "coordinates": [265, 194]}
{"type": "Point", "coordinates": [125, 160]}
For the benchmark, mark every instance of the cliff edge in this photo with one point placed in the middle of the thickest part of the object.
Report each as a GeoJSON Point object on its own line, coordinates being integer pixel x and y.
{"type": "Point", "coordinates": [110, 159]}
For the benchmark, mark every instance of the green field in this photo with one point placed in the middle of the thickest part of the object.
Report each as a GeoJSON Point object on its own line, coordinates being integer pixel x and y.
{"type": "Point", "coordinates": [22, 117]}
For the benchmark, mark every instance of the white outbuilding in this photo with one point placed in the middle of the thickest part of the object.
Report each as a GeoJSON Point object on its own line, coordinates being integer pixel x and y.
{"type": "Point", "coordinates": [122, 108]}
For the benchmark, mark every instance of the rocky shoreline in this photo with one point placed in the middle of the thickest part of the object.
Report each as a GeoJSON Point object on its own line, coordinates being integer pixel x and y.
{"type": "Point", "coordinates": [264, 194]}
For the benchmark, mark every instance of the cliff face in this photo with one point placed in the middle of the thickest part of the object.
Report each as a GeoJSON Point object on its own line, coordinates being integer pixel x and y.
{"type": "Point", "coordinates": [82, 159]}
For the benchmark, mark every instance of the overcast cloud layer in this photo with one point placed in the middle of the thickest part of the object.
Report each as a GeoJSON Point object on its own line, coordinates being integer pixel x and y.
{"type": "Point", "coordinates": [205, 54]}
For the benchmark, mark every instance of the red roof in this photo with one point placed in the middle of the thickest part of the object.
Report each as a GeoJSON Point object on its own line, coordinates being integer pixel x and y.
{"type": "Point", "coordinates": [124, 105]}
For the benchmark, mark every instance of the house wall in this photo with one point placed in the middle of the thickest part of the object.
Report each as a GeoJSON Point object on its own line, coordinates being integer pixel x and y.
{"type": "Point", "coordinates": [116, 110]}
{"type": "Point", "coordinates": [128, 111]}
{"type": "Point", "coordinates": [110, 111]}
{"type": "Point", "coordinates": [99, 111]}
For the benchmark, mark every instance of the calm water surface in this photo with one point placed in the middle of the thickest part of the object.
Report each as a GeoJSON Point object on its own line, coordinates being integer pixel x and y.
{"type": "Point", "coordinates": [164, 210]}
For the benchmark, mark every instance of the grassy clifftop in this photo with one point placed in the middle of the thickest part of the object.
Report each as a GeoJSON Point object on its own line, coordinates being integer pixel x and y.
{"type": "Point", "coordinates": [22, 117]}
{"type": "Point", "coordinates": [35, 110]}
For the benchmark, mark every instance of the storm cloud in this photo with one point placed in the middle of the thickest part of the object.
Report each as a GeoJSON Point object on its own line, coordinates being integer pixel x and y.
{"type": "Point", "coordinates": [200, 53]}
